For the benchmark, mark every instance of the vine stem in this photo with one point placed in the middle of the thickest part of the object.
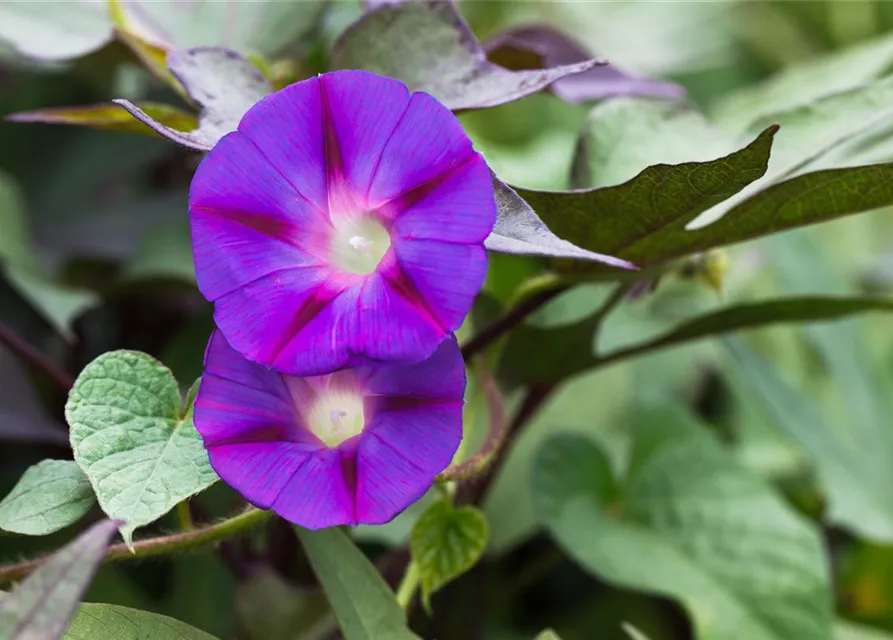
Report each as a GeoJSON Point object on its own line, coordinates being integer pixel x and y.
{"type": "Point", "coordinates": [162, 545]}
{"type": "Point", "coordinates": [477, 463]}
{"type": "Point", "coordinates": [408, 586]}
{"type": "Point", "coordinates": [28, 354]}
{"type": "Point", "coordinates": [510, 320]}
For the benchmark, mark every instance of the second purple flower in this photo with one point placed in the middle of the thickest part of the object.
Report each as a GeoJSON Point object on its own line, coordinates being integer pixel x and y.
{"type": "Point", "coordinates": [341, 225]}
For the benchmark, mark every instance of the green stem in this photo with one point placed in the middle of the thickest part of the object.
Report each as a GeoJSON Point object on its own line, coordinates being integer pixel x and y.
{"type": "Point", "coordinates": [478, 463]}
{"type": "Point", "coordinates": [184, 517]}
{"type": "Point", "coordinates": [408, 586]}
{"type": "Point", "coordinates": [160, 546]}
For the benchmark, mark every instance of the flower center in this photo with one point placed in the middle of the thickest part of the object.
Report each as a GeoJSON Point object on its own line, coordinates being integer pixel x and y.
{"type": "Point", "coordinates": [359, 243]}
{"type": "Point", "coordinates": [337, 416]}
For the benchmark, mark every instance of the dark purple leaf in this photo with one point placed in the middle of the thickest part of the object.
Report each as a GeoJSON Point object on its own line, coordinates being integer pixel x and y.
{"type": "Point", "coordinates": [42, 606]}
{"type": "Point", "coordinates": [224, 83]}
{"type": "Point", "coordinates": [543, 47]}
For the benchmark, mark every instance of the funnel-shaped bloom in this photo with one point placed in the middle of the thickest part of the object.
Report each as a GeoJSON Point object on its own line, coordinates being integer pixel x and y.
{"type": "Point", "coordinates": [355, 446]}
{"type": "Point", "coordinates": [341, 225]}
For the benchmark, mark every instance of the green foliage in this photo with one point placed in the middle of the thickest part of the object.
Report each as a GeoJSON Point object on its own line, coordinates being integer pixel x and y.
{"type": "Point", "coordinates": [363, 604]}
{"type": "Point", "coordinates": [111, 117]}
{"type": "Point", "coordinates": [268, 28]}
{"type": "Point", "coordinates": [106, 621]}
{"type": "Point", "coordinates": [446, 541]}
{"type": "Point", "coordinates": [134, 439]}
{"type": "Point", "coordinates": [523, 360]}
{"type": "Point", "coordinates": [624, 136]}
{"type": "Point", "coordinates": [852, 462]}
{"type": "Point", "coordinates": [448, 63]}
{"type": "Point", "coordinates": [689, 523]}
{"type": "Point", "coordinates": [644, 219]}
{"type": "Point", "coordinates": [54, 32]}
{"type": "Point", "coordinates": [50, 496]}
{"type": "Point", "coordinates": [41, 607]}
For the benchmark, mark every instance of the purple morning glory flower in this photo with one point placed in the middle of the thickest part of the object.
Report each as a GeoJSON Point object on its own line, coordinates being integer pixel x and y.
{"type": "Point", "coordinates": [354, 446]}
{"type": "Point", "coordinates": [341, 225]}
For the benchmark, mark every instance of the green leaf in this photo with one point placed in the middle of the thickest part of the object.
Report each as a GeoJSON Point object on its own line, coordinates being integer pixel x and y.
{"type": "Point", "coordinates": [49, 496]}
{"type": "Point", "coordinates": [111, 117]}
{"type": "Point", "coordinates": [547, 634]}
{"type": "Point", "coordinates": [59, 305]}
{"type": "Point", "coordinates": [535, 354]}
{"type": "Point", "coordinates": [446, 541]}
{"type": "Point", "coordinates": [520, 231]}
{"type": "Point", "coordinates": [137, 446]}
{"type": "Point", "coordinates": [269, 28]}
{"type": "Point", "coordinates": [15, 239]}
{"type": "Point", "coordinates": [55, 31]}
{"type": "Point", "coordinates": [221, 81]}
{"type": "Point", "coordinates": [852, 463]}
{"type": "Point", "coordinates": [808, 82]}
{"type": "Point", "coordinates": [644, 219]}
{"type": "Point", "coordinates": [362, 602]}
{"type": "Point", "coordinates": [622, 137]}
{"type": "Point", "coordinates": [41, 607]}
{"type": "Point", "coordinates": [107, 621]}
{"type": "Point", "coordinates": [801, 201]}
{"type": "Point", "coordinates": [448, 62]}
{"type": "Point", "coordinates": [809, 133]}
{"type": "Point", "coordinates": [688, 523]}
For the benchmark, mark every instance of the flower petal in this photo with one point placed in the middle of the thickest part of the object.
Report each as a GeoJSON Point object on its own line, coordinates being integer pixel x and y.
{"type": "Point", "coordinates": [427, 142]}
{"type": "Point", "coordinates": [446, 276]}
{"type": "Point", "coordinates": [370, 323]}
{"type": "Point", "coordinates": [242, 402]}
{"type": "Point", "coordinates": [264, 316]}
{"type": "Point", "coordinates": [318, 494]}
{"type": "Point", "coordinates": [364, 109]}
{"type": "Point", "coordinates": [240, 206]}
{"type": "Point", "coordinates": [400, 454]}
{"type": "Point", "coordinates": [460, 207]}
{"type": "Point", "coordinates": [440, 377]}
{"type": "Point", "coordinates": [261, 248]}
{"type": "Point", "coordinates": [287, 129]}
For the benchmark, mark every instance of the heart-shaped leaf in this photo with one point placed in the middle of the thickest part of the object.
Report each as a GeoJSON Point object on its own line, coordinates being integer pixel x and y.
{"type": "Point", "coordinates": [689, 523]}
{"type": "Point", "coordinates": [449, 62]}
{"type": "Point", "coordinates": [445, 542]}
{"type": "Point", "coordinates": [49, 496]}
{"type": "Point", "coordinates": [222, 82]}
{"type": "Point", "coordinates": [133, 440]}
{"type": "Point", "coordinates": [41, 607]}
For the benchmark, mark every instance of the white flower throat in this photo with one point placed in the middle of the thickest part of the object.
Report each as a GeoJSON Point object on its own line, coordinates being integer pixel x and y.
{"type": "Point", "coordinates": [359, 243]}
{"type": "Point", "coordinates": [337, 416]}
